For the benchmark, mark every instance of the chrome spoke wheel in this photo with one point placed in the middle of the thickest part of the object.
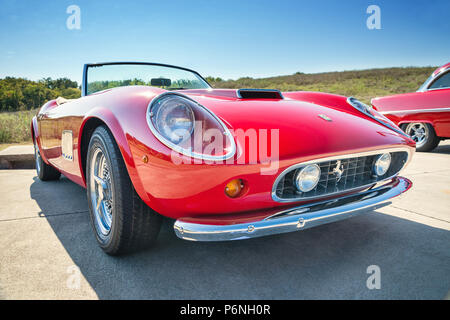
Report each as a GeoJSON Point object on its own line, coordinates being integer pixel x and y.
{"type": "Point", "coordinates": [121, 221]}
{"type": "Point", "coordinates": [101, 192]}
{"type": "Point", "coordinates": [418, 132]}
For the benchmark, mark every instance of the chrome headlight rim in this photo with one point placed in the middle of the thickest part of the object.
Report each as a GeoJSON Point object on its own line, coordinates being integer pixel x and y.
{"type": "Point", "coordinates": [380, 158]}
{"type": "Point", "coordinates": [359, 105]}
{"type": "Point", "coordinates": [180, 149]}
{"type": "Point", "coordinates": [297, 184]}
{"type": "Point", "coordinates": [189, 114]}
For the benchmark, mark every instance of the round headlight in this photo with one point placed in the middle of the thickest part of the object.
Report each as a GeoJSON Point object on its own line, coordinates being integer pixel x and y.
{"type": "Point", "coordinates": [187, 127]}
{"type": "Point", "coordinates": [374, 114]}
{"type": "Point", "coordinates": [360, 105]}
{"type": "Point", "coordinates": [174, 119]}
{"type": "Point", "coordinates": [307, 178]}
{"type": "Point", "coordinates": [382, 164]}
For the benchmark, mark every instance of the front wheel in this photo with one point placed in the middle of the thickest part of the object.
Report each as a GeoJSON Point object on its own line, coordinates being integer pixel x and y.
{"type": "Point", "coordinates": [122, 222]}
{"type": "Point", "coordinates": [423, 134]}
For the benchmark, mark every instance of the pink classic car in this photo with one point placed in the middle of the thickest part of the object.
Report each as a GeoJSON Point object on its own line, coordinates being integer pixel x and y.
{"type": "Point", "coordinates": [424, 115]}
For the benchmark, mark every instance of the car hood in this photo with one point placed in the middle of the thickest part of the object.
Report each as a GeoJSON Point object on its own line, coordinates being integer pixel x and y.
{"type": "Point", "coordinates": [301, 126]}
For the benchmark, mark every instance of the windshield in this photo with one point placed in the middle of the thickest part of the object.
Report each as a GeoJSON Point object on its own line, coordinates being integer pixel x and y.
{"type": "Point", "coordinates": [106, 76]}
{"type": "Point", "coordinates": [425, 84]}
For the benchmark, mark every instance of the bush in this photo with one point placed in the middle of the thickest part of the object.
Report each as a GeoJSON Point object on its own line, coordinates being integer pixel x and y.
{"type": "Point", "coordinates": [22, 94]}
{"type": "Point", "coordinates": [15, 126]}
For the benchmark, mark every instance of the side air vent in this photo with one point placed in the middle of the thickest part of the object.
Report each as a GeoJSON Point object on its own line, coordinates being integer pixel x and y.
{"type": "Point", "coordinates": [259, 94]}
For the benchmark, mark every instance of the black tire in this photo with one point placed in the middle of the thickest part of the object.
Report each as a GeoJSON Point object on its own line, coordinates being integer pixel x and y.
{"type": "Point", "coordinates": [431, 140]}
{"type": "Point", "coordinates": [44, 171]}
{"type": "Point", "coordinates": [134, 226]}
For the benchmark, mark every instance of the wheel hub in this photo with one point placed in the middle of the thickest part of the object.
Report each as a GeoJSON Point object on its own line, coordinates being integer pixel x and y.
{"type": "Point", "coordinates": [418, 132]}
{"type": "Point", "coordinates": [101, 192]}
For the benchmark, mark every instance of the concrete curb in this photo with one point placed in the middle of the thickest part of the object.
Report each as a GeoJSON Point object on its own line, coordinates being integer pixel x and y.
{"type": "Point", "coordinates": [17, 157]}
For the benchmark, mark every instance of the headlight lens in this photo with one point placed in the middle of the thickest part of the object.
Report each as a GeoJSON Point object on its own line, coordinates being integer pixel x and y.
{"type": "Point", "coordinates": [382, 164]}
{"type": "Point", "coordinates": [371, 112]}
{"type": "Point", "coordinates": [307, 178]}
{"type": "Point", "coordinates": [174, 119]}
{"type": "Point", "coordinates": [360, 105]}
{"type": "Point", "coordinates": [187, 127]}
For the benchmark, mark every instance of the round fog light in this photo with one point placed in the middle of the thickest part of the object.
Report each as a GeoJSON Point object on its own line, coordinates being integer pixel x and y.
{"type": "Point", "coordinates": [234, 188]}
{"type": "Point", "coordinates": [382, 164]}
{"type": "Point", "coordinates": [307, 178]}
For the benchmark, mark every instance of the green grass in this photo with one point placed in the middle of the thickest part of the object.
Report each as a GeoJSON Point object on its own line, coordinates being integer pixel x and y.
{"type": "Point", "coordinates": [15, 126]}
{"type": "Point", "coordinates": [362, 84]}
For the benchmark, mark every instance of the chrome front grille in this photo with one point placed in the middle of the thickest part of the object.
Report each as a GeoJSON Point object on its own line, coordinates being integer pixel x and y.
{"type": "Point", "coordinates": [338, 175]}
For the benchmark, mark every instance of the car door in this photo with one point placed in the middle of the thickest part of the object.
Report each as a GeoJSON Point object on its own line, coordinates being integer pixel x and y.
{"type": "Point", "coordinates": [438, 98]}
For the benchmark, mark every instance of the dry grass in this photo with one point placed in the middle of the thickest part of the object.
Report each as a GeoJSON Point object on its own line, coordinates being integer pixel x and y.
{"type": "Point", "coordinates": [362, 84]}
{"type": "Point", "coordinates": [15, 126]}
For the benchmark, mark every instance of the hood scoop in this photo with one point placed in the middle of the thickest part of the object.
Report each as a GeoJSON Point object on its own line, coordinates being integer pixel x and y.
{"type": "Point", "coordinates": [259, 94]}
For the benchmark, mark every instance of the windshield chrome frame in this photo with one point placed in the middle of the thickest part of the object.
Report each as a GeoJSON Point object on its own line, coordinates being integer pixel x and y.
{"type": "Point", "coordinates": [432, 79]}
{"type": "Point", "coordinates": [90, 65]}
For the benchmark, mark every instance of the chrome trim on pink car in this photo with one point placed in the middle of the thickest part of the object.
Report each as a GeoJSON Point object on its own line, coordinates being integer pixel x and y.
{"type": "Point", "coordinates": [417, 111]}
{"type": "Point", "coordinates": [426, 85]}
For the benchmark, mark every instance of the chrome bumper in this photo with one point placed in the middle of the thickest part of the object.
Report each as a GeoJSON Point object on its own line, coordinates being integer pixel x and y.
{"type": "Point", "coordinates": [297, 218]}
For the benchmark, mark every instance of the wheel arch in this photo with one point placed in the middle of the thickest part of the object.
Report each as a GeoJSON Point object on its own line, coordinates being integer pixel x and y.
{"type": "Point", "coordinates": [430, 122]}
{"type": "Point", "coordinates": [86, 131]}
{"type": "Point", "coordinates": [105, 117]}
{"type": "Point", "coordinates": [35, 135]}
{"type": "Point", "coordinates": [33, 125]}
{"type": "Point", "coordinates": [411, 121]}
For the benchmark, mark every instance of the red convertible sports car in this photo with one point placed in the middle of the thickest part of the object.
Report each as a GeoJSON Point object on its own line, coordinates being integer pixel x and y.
{"type": "Point", "coordinates": [149, 140]}
{"type": "Point", "coordinates": [425, 114]}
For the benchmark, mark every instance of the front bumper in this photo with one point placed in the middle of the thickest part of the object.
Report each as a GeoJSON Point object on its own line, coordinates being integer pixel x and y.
{"type": "Point", "coordinates": [297, 218]}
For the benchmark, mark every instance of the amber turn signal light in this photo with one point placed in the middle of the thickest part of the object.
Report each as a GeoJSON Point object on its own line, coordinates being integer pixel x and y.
{"type": "Point", "coordinates": [234, 188]}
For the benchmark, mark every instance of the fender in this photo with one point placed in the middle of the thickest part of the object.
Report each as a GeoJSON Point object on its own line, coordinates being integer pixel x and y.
{"type": "Point", "coordinates": [36, 136]}
{"type": "Point", "coordinates": [34, 132]}
{"type": "Point", "coordinates": [107, 116]}
{"type": "Point", "coordinates": [417, 120]}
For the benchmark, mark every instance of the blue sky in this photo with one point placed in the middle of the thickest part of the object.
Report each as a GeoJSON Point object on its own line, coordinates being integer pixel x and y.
{"type": "Point", "coordinates": [228, 39]}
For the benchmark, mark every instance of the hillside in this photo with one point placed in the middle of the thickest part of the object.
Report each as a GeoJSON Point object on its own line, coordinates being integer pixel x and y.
{"type": "Point", "coordinates": [18, 94]}
{"type": "Point", "coordinates": [363, 84]}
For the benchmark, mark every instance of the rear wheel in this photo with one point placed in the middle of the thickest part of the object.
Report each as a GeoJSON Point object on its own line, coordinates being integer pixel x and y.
{"type": "Point", "coordinates": [122, 222]}
{"type": "Point", "coordinates": [423, 134]}
{"type": "Point", "coordinates": [44, 171]}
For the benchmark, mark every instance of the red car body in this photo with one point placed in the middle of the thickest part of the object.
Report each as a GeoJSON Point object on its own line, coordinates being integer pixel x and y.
{"type": "Point", "coordinates": [427, 105]}
{"type": "Point", "coordinates": [195, 192]}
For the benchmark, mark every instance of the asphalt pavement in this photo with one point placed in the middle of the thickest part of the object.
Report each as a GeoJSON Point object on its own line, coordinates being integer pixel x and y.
{"type": "Point", "coordinates": [48, 251]}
